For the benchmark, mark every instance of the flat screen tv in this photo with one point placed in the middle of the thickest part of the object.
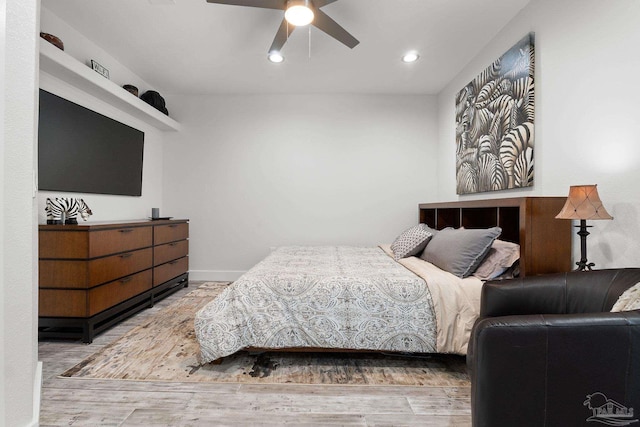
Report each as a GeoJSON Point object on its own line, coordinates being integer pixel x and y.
{"type": "Point", "coordinates": [81, 151]}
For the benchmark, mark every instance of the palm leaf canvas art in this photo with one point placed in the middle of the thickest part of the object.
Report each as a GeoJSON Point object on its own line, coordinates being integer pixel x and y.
{"type": "Point", "coordinates": [494, 124]}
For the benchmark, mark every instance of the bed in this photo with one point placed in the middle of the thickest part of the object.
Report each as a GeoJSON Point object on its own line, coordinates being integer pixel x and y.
{"type": "Point", "coordinates": [369, 298]}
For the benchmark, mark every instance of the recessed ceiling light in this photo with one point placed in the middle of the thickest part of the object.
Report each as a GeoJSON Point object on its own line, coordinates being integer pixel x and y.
{"type": "Point", "coordinates": [410, 57]}
{"type": "Point", "coordinates": [275, 57]}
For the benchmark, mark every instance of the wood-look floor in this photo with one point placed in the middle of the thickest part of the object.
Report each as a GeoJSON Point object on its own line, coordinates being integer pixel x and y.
{"type": "Point", "coordinates": [90, 402]}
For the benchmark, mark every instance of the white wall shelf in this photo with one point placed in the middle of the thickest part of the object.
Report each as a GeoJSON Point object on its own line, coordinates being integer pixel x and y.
{"type": "Point", "coordinates": [61, 65]}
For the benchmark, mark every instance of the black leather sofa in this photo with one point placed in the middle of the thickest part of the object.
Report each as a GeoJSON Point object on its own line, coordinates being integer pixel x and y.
{"type": "Point", "coordinates": [546, 351]}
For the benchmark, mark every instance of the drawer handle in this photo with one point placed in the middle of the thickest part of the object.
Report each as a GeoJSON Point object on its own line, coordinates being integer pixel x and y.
{"type": "Point", "coordinates": [123, 256]}
{"type": "Point", "coordinates": [125, 280]}
{"type": "Point", "coordinates": [173, 244]}
{"type": "Point", "coordinates": [173, 225]}
{"type": "Point", "coordinates": [126, 230]}
{"type": "Point", "coordinates": [174, 262]}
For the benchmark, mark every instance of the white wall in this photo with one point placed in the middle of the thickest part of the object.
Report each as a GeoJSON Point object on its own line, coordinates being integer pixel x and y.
{"type": "Point", "coordinates": [587, 91]}
{"type": "Point", "coordinates": [254, 172]}
{"type": "Point", "coordinates": [105, 207]}
{"type": "Point", "coordinates": [18, 245]}
{"type": "Point", "coordinates": [84, 50]}
{"type": "Point", "coordinates": [3, 384]}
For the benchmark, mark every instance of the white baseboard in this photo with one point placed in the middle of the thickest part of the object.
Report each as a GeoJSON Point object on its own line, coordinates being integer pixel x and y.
{"type": "Point", "coordinates": [215, 275]}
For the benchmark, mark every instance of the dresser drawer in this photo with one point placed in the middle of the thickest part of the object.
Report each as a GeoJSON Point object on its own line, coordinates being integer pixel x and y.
{"type": "Point", "coordinates": [109, 268]}
{"type": "Point", "coordinates": [77, 244]}
{"type": "Point", "coordinates": [85, 303]}
{"type": "Point", "coordinates": [63, 274]}
{"type": "Point", "coordinates": [62, 303]}
{"type": "Point", "coordinates": [110, 294]}
{"type": "Point", "coordinates": [170, 233]}
{"type": "Point", "coordinates": [170, 251]}
{"type": "Point", "coordinates": [87, 274]}
{"type": "Point", "coordinates": [63, 244]}
{"type": "Point", "coordinates": [106, 242]}
{"type": "Point", "coordinates": [168, 271]}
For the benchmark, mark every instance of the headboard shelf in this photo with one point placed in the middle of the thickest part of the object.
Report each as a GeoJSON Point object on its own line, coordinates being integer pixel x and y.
{"type": "Point", "coordinates": [545, 242]}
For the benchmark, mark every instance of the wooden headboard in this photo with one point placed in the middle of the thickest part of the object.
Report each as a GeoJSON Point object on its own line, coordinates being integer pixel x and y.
{"type": "Point", "coordinates": [545, 242]}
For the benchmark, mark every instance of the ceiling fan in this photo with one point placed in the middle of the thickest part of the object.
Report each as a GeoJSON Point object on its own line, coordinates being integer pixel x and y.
{"type": "Point", "coordinates": [298, 13]}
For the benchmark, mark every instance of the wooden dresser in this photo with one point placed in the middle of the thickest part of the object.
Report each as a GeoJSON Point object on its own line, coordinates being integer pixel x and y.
{"type": "Point", "coordinates": [93, 276]}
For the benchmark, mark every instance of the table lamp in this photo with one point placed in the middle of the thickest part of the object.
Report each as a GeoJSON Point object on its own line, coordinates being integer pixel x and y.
{"type": "Point", "coordinates": [583, 203]}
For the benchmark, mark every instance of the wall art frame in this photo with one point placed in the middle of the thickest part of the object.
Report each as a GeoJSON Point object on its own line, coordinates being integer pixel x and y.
{"type": "Point", "coordinates": [495, 124]}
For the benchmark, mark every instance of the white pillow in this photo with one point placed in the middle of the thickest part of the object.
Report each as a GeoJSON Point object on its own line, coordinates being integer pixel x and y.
{"type": "Point", "coordinates": [629, 300]}
{"type": "Point", "coordinates": [501, 256]}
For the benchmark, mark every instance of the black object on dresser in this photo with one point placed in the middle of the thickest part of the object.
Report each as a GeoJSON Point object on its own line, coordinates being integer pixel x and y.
{"type": "Point", "coordinates": [93, 276]}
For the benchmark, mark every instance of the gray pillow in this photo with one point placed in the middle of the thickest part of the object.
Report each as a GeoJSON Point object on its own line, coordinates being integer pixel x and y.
{"type": "Point", "coordinates": [460, 251]}
{"type": "Point", "coordinates": [411, 241]}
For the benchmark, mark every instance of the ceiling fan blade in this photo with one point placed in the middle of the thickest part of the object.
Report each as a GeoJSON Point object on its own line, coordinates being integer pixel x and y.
{"type": "Point", "coordinates": [265, 4]}
{"type": "Point", "coordinates": [331, 27]}
{"type": "Point", "coordinates": [282, 35]}
{"type": "Point", "coordinates": [321, 3]}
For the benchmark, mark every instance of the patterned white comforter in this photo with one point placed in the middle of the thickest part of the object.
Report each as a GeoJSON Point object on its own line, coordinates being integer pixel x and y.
{"type": "Point", "coordinates": [326, 297]}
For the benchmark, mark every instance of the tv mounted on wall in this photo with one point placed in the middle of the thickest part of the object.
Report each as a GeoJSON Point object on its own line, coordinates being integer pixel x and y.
{"type": "Point", "coordinates": [81, 151]}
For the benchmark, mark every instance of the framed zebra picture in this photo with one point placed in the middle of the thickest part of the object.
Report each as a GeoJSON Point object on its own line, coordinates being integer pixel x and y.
{"type": "Point", "coordinates": [494, 124]}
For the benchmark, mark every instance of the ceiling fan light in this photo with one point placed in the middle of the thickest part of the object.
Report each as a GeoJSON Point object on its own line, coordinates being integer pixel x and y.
{"type": "Point", "coordinates": [275, 57]}
{"type": "Point", "coordinates": [410, 57]}
{"type": "Point", "coordinates": [299, 13]}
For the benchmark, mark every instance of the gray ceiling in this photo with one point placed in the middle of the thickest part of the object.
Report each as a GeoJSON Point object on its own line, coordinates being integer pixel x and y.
{"type": "Point", "coordinates": [193, 47]}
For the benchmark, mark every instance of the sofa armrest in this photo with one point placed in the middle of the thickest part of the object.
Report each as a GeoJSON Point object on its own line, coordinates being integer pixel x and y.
{"type": "Point", "coordinates": [538, 370]}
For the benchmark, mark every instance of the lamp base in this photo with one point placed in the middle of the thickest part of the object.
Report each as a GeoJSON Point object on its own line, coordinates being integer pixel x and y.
{"type": "Point", "coordinates": [583, 264]}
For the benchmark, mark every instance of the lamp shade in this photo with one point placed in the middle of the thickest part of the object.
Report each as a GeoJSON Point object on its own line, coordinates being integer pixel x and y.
{"type": "Point", "coordinates": [583, 202]}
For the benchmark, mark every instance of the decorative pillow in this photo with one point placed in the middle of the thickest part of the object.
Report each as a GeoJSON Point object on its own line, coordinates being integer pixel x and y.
{"type": "Point", "coordinates": [460, 251]}
{"type": "Point", "coordinates": [411, 241]}
{"type": "Point", "coordinates": [629, 300]}
{"type": "Point", "coordinates": [501, 257]}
